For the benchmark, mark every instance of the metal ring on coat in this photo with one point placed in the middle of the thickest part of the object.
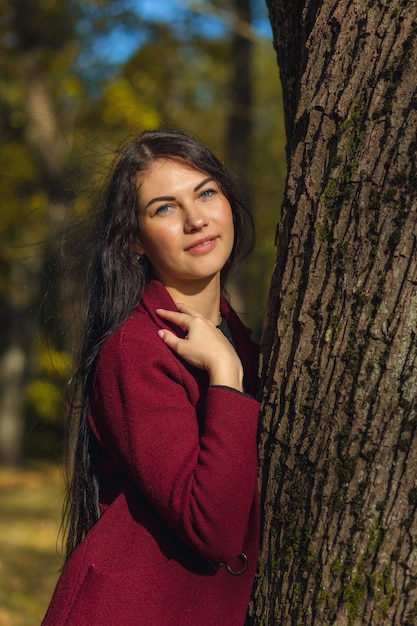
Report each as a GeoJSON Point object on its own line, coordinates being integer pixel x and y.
{"type": "Point", "coordinates": [245, 563]}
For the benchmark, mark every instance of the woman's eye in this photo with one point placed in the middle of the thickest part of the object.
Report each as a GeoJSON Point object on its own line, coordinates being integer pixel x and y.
{"type": "Point", "coordinates": [165, 208]}
{"type": "Point", "coordinates": [207, 193]}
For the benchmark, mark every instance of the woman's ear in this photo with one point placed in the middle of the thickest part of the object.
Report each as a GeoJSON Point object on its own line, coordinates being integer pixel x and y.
{"type": "Point", "coordinates": [137, 246]}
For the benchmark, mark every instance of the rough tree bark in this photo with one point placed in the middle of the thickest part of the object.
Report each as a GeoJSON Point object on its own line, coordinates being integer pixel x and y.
{"type": "Point", "coordinates": [338, 440]}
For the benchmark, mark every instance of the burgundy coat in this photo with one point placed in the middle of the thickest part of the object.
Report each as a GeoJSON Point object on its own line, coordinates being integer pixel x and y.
{"type": "Point", "coordinates": [178, 487]}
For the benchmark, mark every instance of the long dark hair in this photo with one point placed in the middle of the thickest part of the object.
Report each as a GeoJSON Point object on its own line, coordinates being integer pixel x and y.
{"type": "Point", "coordinates": [116, 285]}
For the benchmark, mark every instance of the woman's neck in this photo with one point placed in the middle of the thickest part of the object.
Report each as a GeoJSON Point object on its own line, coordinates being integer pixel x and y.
{"type": "Point", "coordinates": [205, 299]}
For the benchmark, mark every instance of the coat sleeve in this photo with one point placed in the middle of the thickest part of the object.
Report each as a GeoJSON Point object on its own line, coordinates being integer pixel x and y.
{"type": "Point", "coordinates": [201, 481]}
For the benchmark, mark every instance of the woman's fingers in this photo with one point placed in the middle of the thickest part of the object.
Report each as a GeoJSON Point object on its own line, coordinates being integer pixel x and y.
{"type": "Point", "coordinates": [178, 318]}
{"type": "Point", "coordinates": [205, 347]}
{"type": "Point", "coordinates": [171, 340]}
{"type": "Point", "coordinates": [188, 348]}
{"type": "Point", "coordinates": [200, 334]}
{"type": "Point", "coordinates": [174, 316]}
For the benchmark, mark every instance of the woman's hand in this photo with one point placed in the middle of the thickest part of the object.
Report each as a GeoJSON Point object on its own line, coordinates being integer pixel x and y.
{"type": "Point", "coordinates": [205, 346]}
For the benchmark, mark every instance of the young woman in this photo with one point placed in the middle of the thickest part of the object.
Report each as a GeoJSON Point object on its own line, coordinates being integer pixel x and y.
{"type": "Point", "coordinates": [162, 509]}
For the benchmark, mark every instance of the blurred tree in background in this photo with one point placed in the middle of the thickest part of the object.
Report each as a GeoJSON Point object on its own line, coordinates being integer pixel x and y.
{"type": "Point", "coordinates": [77, 79]}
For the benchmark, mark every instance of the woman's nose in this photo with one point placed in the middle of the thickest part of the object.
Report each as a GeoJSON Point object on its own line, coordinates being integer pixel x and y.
{"type": "Point", "coordinates": [194, 219]}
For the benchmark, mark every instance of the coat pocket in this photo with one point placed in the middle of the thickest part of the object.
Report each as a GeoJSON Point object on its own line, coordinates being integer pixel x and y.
{"type": "Point", "coordinates": [149, 596]}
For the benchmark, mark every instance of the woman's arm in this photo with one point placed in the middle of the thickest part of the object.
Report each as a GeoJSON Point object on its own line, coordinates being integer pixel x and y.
{"type": "Point", "coordinates": [143, 411]}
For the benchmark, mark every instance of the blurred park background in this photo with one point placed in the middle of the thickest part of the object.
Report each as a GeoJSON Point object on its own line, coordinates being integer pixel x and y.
{"type": "Point", "coordinates": [77, 79]}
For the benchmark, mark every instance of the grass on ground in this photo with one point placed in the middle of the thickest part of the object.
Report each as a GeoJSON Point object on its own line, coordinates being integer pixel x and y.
{"type": "Point", "coordinates": [30, 513]}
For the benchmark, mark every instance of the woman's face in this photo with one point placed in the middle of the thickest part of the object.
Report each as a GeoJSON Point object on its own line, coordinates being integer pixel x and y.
{"type": "Point", "coordinates": [185, 223]}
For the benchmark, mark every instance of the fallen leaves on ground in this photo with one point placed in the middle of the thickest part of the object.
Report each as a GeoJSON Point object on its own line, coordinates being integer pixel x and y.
{"type": "Point", "coordinates": [30, 515]}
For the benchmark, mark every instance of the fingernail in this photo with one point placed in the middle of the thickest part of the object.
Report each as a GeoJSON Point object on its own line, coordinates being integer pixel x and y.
{"type": "Point", "coordinates": [161, 333]}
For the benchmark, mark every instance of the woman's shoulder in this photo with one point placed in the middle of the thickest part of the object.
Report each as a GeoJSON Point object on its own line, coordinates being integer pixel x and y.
{"type": "Point", "coordinates": [138, 328]}
{"type": "Point", "coordinates": [138, 334]}
{"type": "Point", "coordinates": [142, 322]}
{"type": "Point", "coordinates": [134, 351]}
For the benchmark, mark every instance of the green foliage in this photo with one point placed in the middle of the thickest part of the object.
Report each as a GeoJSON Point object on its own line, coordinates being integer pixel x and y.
{"type": "Point", "coordinates": [44, 392]}
{"type": "Point", "coordinates": [89, 103]}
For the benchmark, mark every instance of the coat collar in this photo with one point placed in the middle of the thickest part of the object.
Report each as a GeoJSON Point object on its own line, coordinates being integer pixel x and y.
{"type": "Point", "coordinates": [155, 296]}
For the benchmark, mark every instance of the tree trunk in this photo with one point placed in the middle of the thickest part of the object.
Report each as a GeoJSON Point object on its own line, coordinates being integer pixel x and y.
{"type": "Point", "coordinates": [239, 120]}
{"type": "Point", "coordinates": [44, 135]}
{"type": "Point", "coordinates": [13, 365]}
{"type": "Point", "coordinates": [338, 440]}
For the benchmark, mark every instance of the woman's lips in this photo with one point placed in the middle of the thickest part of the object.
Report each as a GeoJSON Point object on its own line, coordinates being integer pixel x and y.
{"type": "Point", "coordinates": [202, 246]}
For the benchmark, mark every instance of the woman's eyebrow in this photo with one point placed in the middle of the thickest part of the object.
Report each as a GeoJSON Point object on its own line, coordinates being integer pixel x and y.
{"type": "Point", "coordinates": [160, 199]}
{"type": "Point", "coordinates": [203, 182]}
{"type": "Point", "coordinates": [172, 198]}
